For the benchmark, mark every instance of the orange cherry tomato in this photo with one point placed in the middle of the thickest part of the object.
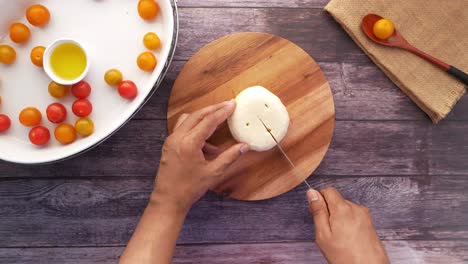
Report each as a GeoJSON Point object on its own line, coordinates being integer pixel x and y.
{"type": "Point", "coordinates": [146, 61]}
{"type": "Point", "coordinates": [65, 134]}
{"type": "Point", "coordinates": [57, 90]}
{"type": "Point", "coordinates": [383, 29]}
{"type": "Point", "coordinates": [113, 77]}
{"type": "Point", "coordinates": [84, 126]}
{"type": "Point", "coordinates": [19, 33]}
{"type": "Point", "coordinates": [148, 9]}
{"type": "Point", "coordinates": [7, 54]}
{"type": "Point", "coordinates": [151, 41]}
{"type": "Point", "coordinates": [37, 55]}
{"type": "Point", "coordinates": [30, 116]}
{"type": "Point", "coordinates": [38, 15]}
{"type": "Point", "coordinates": [39, 135]}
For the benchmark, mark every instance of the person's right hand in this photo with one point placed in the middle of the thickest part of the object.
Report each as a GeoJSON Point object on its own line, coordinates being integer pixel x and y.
{"type": "Point", "coordinates": [344, 231]}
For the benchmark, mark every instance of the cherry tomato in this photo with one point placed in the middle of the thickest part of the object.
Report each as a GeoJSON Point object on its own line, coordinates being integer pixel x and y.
{"type": "Point", "coordinates": [39, 135]}
{"type": "Point", "coordinates": [5, 123]}
{"type": "Point", "coordinates": [84, 126]}
{"type": "Point", "coordinates": [81, 90]}
{"type": "Point", "coordinates": [7, 54]}
{"type": "Point", "coordinates": [56, 113]}
{"type": "Point", "coordinates": [113, 77]}
{"type": "Point", "coordinates": [65, 134]}
{"type": "Point", "coordinates": [383, 29]}
{"type": "Point", "coordinates": [147, 61]}
{"type": "Point", "coordinates": [151, 41]}
{"type": "Point", "coordinates": [19, 33]}
{"type": "Point", "coordinates": [82, 107]}
{"type": "Point", "coordinates": [37, 55]}
{"type": "Point", "coordinates": [38, 15]}
{"type": "Point", "coordinates": [30, 116]}
{"type": "Point", "coordinates": [128, 89]}
{"type": "Point", "coordinates": [57, 90]}
{"type": "Point", "coordinates": [148, 9]}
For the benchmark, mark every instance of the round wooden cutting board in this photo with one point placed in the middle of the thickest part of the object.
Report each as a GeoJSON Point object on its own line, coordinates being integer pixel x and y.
{"type": "Point", "coordinates": [228, 65]}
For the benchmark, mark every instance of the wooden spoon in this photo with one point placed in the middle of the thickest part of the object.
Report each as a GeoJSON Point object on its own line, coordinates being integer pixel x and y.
{"type": "Point", "coordinates": [398, 41]}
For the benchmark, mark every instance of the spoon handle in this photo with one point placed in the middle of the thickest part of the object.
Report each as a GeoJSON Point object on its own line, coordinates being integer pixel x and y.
{"type": "Point", "coordinates": [460, 75]}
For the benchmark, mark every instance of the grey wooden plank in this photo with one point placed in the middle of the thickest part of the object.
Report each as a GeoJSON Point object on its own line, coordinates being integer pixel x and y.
{"type": "Point", "coordinates": [358, 148]}
{"type": "Point", "coordinates": [361, 92]}
{"type": "Point", "coordinates": [103, 212]}
{"type": "Point", "coordinates": [312, 29]}
{"type": "Point", "coordinates": [257, 3]}
{"type": "Point", "coordinates": [416, 252]}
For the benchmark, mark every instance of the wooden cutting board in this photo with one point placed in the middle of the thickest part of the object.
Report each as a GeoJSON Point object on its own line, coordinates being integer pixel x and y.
{"type": "Point", "coordinates": [228, 65]}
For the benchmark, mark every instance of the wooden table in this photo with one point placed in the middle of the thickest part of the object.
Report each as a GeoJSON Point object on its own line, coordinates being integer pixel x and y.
{"type": "Point", "coordinates": [385, 154]}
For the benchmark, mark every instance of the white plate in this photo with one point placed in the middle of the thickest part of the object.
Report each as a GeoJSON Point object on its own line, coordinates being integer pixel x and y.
{"type": "Point", "coordinates": [111, 32]}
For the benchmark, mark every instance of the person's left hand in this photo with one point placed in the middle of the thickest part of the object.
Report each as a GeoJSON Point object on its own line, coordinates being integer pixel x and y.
{"type": "Point", "coordinates": [189, 166]}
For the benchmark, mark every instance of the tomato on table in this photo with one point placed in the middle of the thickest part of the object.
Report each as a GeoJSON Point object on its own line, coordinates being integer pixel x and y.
{"type": "Point", "coordinates": [5, 123]}
{"type": "Point", "coordinates": [151, 41]}
{"type": "Point", "coordinates": [82, 107]}
{"type": "Point", "coordinates": [148, 9]}
{"type": "Point", "coordinates": [81, 90]}
{"type": "Point", "coordinates": [383, 29]}
{"type": "Point", "coordinates": [65, 134]}
{"type": "Point", "coordinates": [57, 90]}
{"type": "Point", "coordinates": [37, 55]}
{"type": "Point", "coordinates": [38, 15]}
{"type": "Point", "coordinates": [30, 116]}
{"type": "Point", "coordinates": [128, 89]}
{"type": "Point", "coordinates": [147, 61]}
{"type": "Point", "coordinates": [84, 126]}
{"type": "Point", "coordinates": [39, 135]}
{"type": "Point", "coordinates": [7, 54]}
{"type": "Point", "coordinates": [56, 113]}
{"type": "Point", "coordinates": [113, 77]}
{"type": "Point", "coordinates": [19, 33]}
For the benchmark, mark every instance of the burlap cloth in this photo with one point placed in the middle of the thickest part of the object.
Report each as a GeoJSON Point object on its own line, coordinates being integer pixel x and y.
{"type": "Point", "coordinates": [438, 27]}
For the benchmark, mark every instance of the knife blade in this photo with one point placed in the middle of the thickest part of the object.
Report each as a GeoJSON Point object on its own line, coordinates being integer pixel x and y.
{"type": "Point", "coordinates": [296, 170]}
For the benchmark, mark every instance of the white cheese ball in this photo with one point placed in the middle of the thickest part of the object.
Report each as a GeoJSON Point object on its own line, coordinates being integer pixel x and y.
{"type": "Point", "coordinates": [245, 125]}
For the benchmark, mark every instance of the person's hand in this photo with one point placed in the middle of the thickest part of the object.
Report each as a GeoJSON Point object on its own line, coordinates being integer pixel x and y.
{"type": "Point", "coordinates": [189, 166]}
{"type": "Point", "coordinates": [344, 231]}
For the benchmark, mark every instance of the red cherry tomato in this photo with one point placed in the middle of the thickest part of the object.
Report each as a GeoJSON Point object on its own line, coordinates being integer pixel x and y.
{"type": "Point", "coordinates": [39, 135]}
{"type": "Point", "coordinates": [56, 113]}
{"type": "Point", "coordinates": [5, 123]}
{"type": "Point", "coordinates": [82, 107]}
{"type": "Point", "coordinates": [81, 90]}
{"type": "Point", "coordinates": [128, 89]}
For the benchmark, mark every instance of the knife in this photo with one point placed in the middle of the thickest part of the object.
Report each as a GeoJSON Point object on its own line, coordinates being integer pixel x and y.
{"type": "Point", "coordinates": [296, 170]}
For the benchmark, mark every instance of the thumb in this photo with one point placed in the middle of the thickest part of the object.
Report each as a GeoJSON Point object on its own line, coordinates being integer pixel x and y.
{"type": "Point", "coordinates": [319, 210]}
{"type": "Point", "coordinates": [228, 157]}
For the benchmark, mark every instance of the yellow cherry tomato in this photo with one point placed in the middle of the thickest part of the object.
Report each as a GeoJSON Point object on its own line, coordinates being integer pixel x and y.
{"type": "Point", "coordinates": [113, 77]}
{"type": "Point", "coordinates": [148, 9]}
{"type": "Point", "coordinates": [151, 41]}
{"type": "Point", "coordinates": [30, 116]}
{"type": "Point", "coordinates": [19, 33]}
{"type": "Point", "coordinates": [147, 61]}
{"type": "Point", "coordinates": [58, 90]}
{"type": "Point", "coordinates": [383, 29]}
{"type": "Point", "coordinates": [65, 134]}
{"type": "Point", "coordinates": [84, 126]}
{"type": "Point", "coordinates": [38, 15]}
{"type": "Point", "coordinates": [37, 55]}
{"type": "Point", "coordinates": [7, 54]}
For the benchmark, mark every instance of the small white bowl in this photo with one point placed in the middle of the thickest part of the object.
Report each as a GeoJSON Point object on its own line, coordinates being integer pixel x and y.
{"type": "Point", "coordinates": [48, 67]}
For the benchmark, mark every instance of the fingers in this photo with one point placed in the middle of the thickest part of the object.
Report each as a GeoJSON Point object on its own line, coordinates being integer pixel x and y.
{"type": "Point", "coordinates": [180, 120]}
{"type": "Point", "coordinates": [318, 209]}
{"type": "Point", "coordinates": [211, 149]}
{"type": "Point", "coordinates": [228, 157]}
{"type": "Point", "coordinates": [196, 117]}
{"type": "Point", "coordinates": [210, 122]}
{"type": "Point", "coordinates": [334, 199]}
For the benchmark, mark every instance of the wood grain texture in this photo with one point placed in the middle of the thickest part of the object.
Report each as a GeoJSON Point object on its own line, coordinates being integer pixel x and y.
{"type": "Point", "coordinates": [416, 252]}
{"type": "Point", "coordinates": [225, 67]}
{"type": "Point", "coordinates": [359, 148]}
{"type": "Point", "coordinates": [90, 212]}
{"type": "Point", "coordinates": [257, 3]}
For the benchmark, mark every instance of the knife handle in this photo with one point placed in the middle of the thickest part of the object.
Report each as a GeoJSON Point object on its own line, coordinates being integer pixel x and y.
{"type": "Point", "coordinates": [458, 74]}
